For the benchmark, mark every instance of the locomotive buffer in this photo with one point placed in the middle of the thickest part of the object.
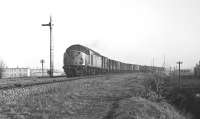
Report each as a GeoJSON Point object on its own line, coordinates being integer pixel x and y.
{"type": "Point", "coordinates": [51, 49]}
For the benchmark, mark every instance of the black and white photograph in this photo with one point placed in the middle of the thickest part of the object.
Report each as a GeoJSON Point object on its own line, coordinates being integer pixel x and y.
{"type": "Point", "coordinates": [99, 59]}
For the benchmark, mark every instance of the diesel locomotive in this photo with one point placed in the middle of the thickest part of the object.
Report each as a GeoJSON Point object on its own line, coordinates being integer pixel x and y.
{"type": "Point", "coordinates": [80, 60]}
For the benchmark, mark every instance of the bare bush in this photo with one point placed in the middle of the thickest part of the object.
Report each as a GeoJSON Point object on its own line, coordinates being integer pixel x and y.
{"type": "Point", "coordinates": [156, 86]}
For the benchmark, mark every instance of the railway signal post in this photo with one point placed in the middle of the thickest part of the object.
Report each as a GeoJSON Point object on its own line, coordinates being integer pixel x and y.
{"type": "Point", "coordinates": [42, 62]}
{"type": "Point", "coordinates": [179, 72]}
{"type": "Point", "coordinates": [51, 49]}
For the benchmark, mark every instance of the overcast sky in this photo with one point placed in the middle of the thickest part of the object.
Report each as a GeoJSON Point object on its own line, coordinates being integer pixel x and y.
{"type": "Point", "coordinates": [132, 31]}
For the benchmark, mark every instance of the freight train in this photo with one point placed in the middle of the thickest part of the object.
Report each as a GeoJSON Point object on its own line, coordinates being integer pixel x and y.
{"type": "Point", "coordinates": [80, 60]}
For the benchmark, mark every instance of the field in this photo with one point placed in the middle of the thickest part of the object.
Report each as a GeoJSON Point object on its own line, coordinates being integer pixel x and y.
{"type": "Point", "coordinates": [124, 96]}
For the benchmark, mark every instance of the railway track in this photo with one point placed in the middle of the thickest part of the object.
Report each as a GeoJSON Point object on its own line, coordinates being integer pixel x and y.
{"type": "Point", "coordinates": [42, 81]}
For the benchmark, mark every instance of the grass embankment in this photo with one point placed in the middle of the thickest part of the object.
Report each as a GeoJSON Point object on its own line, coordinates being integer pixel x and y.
{"type": "Point", "coordinates": [125, 96]}
{"type": "Point", "coordinates": [185, 97]}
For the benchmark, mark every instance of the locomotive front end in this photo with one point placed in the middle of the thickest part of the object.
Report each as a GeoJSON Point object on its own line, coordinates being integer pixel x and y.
{"type": "Point", "coordinates": [75, 59]}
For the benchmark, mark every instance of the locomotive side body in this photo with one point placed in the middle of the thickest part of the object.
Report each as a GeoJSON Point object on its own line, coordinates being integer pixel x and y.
{"type": "Point", "coordinates": [96, 60]}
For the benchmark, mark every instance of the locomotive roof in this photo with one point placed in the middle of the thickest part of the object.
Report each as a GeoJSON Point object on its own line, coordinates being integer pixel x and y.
{"type": "Point", "coordinates": [82, 49]}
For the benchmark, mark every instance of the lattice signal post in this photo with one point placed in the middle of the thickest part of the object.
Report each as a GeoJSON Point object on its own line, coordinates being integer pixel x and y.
{"type": "Point", "coordinates": [51, 48]}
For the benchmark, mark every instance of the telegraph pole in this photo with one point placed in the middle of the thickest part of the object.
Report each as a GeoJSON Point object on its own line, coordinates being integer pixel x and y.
{"type": "Point", "coordinates": [153, 61]}
{"type": "Point", "coordinates": [179, 70]}
{"type": "Point", "coordinates": [164, 62]}
{"type": "Point", "coordinates": [51, 49]}
{"type": "Point", "coordinates": [42, 62]}
{"type": "Point", "coordinates": [153, 65]}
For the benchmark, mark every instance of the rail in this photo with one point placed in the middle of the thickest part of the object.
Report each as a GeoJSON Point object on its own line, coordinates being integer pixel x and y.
{"type": "Point", "coordinates": [43, 81]}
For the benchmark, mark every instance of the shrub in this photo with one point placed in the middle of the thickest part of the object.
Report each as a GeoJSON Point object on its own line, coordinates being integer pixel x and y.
{"type": "Point", "coordinates": [156, 86]}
